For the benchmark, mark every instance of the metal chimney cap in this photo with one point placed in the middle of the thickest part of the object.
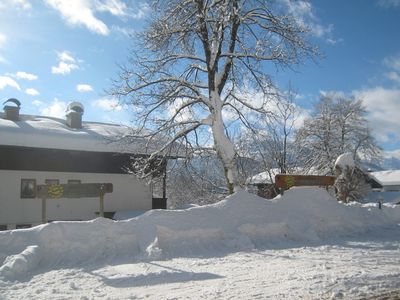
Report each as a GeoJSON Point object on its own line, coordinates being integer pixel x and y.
{"type": "Point", "coordinates": [13, 100]}
{"type": "Point", "coordinates": [75, 107]}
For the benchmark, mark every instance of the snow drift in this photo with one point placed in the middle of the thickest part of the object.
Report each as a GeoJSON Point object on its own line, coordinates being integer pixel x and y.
{"type": "Point", "coordinates": [240, 222]}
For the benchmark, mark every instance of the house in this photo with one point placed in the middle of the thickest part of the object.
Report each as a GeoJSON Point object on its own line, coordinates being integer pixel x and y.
{"type": "Point", "coordinates": [264, 184]}
{"type": "Point", "coordinates": [385, 186]}
{"type": "Point", "coordinates": [37, 150]}
{"type": "Point", "coordinates": [387, 181]}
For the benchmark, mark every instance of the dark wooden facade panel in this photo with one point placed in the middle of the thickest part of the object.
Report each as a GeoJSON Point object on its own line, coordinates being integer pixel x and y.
{"type": "Point", "coordinates": [58, 160]}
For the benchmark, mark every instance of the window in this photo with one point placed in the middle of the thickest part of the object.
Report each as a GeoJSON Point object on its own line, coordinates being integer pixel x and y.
{"type": "Point", "coordinates": [74, 181]}
{"type": "Point", "coordinates": [22, 226]}
{"type": "Point", "coordinates": [3, 227]}
{"type": "Point", "coordinates": [52, 181]}
{"type": "Point", "coordinates": [28, 188]}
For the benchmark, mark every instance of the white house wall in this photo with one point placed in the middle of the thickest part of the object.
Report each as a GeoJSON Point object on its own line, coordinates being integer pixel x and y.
{"type": "Point", "coordinates": [129, 194]}
{"type": "Point", "coordinates": [391, 188]}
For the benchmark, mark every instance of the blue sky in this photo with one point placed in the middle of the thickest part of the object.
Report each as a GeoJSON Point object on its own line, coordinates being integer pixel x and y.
{"type": "Point", "coordinates": [56, 51]}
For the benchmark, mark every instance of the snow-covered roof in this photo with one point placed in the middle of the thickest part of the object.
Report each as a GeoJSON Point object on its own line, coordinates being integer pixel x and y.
{"type": "Point", "coordinates": [385, 178]}
{"type": "Point", "coordinates": [53, 133]}
{"type": "Point", "coordinates": [267, 177]}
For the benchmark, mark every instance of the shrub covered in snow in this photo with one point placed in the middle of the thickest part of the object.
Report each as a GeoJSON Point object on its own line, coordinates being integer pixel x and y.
{"type": "Point", "coordinates": [350, 184]}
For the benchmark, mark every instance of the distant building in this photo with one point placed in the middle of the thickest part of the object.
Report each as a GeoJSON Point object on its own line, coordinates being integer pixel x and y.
{"type": "Point", "coordinates": [385, 186]}
{"type": "Point", "coordinates": [386, 181]}
{"type": "Point", "coordinates": [43, 150]}
{"type": "Point", "coordinates": [264, 184]}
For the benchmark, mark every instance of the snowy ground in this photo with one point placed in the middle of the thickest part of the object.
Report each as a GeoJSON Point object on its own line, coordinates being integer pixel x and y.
{"type": "Point", "coordinates": [302, 245]}
{"type": "Point", "coordinates": [350, 271]}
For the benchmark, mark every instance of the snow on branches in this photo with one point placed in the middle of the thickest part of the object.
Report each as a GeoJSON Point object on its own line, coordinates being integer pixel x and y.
{"type": "Point", "coordinates": [196, 60]}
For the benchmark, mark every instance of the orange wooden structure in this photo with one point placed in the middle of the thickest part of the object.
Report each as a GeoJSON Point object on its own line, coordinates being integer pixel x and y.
{"type": "Point", "coordinates": [286, 181]}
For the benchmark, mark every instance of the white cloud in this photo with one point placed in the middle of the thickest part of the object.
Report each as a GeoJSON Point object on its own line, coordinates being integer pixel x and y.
{"type": "Point", "coordinates": [37, 102]}
{"type": "Point", "coordinates": [82, 88]}
{"type": "Point", "coordinates": [31, 92]}
{"type": "Point", "coordinates": [303, 12]}
{"type": "Point", "coordinates": [185, 114]}
{"type": "Point", "coordinates": [56, 109]}
{"type": "Point", "coordinates": [299, 8]}
{"type": "Point", "coordinates": [141, 12]}
{"type": "Point", "coordinates": [2, 40]}
{"type": "Point", "coordinates": [333, 41]}
{"type": "Point", "coordinates": [66, 64]}
{"type": "Point", "coordinates": [63, 68]}
{"type": "Point", "coordinates": [66, 56]}
{"type": "Point", "coordinates": [79, 12]}
{"type": "Point", "coordinates": [389, 3]}
{"type": "Point", "coordinates": [18, 4]}
{"type": "Point", "coordinates": [8, 81]}
{"type": "Point", "coordinates": [114, 7]}
{"type": "Point", "coordinates": [390, 154]}
{"type": "Point", "coordinates": [333, 94]}
{"type": "Point", "coordinates": [393, 62]}
{"type": "Point", "coordinates": [320, 31]}
{"type": "Point", "coordinates": [126, 31]}
{"type": "Point", "coordinates": [27, 76]}
{"type": "Point", "coordinates": [383, 111]}
{"type": "Point", "coordinates": [393, 65]}
{"type": "Point", "coordinates": [301, 115]}
{"type": "Point", "coordinates": [228, 114]}
{"type": "Point", "coordinates": [107, 104]}
{"type": "Point", "coordinates": [83, 12]}
{"type": "Point", "coordinates": [393, 76]}
{"type": "Point", "coordinates": [24, 4]}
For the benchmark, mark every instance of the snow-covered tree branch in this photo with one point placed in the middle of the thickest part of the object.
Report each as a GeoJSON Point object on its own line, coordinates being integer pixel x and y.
{"type": "Point", "coordinates": [197, 58]}
{"type": "Point", "coordinates": [338, 126]}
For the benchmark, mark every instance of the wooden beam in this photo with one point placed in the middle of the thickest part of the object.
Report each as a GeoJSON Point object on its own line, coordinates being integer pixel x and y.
{"type": "Point", "coordinates": [287, 181]}
{"type": "Point", "coordinates": [83, 190]}
{"type": "Point", "coordinates": [44, 213]}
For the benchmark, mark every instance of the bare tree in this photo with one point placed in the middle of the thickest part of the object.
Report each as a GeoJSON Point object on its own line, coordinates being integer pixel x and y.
{"type": "Point", "coordinates": [337, 126]}
{"type": "Point", "coordinates": [272, 144]}
{"type": "Point", "coordinates": [199, 58]}
{"type": "Point", "coordinates": [201, 179]}
{"type": "Point", "coordinates": [280, 127]}
{"type": "Point", "coordinates": [197, 181]}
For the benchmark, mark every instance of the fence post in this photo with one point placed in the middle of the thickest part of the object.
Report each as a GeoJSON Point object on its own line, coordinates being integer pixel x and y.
{"type": "Point", "coordinates": [102, 201]}
{"type": "Point", "coordinates": [44, 217]}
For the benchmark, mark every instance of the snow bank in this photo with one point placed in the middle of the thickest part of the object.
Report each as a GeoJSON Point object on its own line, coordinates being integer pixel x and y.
{"type": "Point", "coordinates": [18, 265]}
{"type": "Point", "coordinates": [240, 222]}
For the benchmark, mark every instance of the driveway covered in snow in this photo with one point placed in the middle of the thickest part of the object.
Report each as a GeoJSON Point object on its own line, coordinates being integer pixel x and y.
{"type": "Point", "coordinates": [302, 245]}
{"type": "Point", "coordinates": [350, 270]}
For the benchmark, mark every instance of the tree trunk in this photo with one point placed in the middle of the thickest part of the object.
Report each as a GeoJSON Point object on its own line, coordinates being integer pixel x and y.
{"type": "Point", "coordinates": [225, 149]}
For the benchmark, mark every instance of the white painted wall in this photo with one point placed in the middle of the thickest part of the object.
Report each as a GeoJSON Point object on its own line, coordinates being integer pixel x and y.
{"type": "Point", "coordinates": [391, 188]}
{"type": "Point", "coordinates": [129, 194]}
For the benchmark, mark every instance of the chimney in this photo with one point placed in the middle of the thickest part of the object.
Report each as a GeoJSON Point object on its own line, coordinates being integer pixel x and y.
{"type": "Point", "coordinates": [12, 111]}
{"type": "Point", "coordinates": [74, 114]}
